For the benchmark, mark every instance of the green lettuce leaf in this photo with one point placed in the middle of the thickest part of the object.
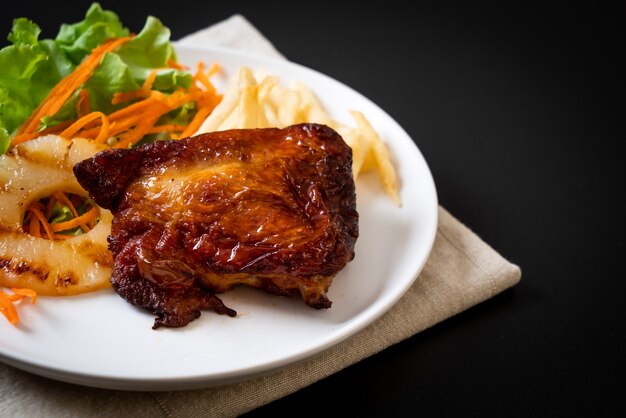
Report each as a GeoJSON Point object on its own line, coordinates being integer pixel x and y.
{"type": "Point", "coordinates": [150, 49]}
{"type": "Point", "coordinates": [28, 74]}
{"type": "Point", "coordinates": [32, 67]}
{"type": "Point", "coordinates": [78, 39]}
{"type": "Point", "coordinates": [60, 213]}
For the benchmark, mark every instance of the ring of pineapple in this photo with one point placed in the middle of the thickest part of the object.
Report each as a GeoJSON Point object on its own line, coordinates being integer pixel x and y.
{"type": "Point", "coordinates": [29, 172]}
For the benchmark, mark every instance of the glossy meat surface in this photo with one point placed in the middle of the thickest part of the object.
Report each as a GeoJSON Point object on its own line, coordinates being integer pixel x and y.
{"type": "Point", "coordinates": [269, 208]}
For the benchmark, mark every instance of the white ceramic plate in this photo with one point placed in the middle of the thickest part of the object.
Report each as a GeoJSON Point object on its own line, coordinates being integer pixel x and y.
{"type": "Point", "coordinates": [101, 340]}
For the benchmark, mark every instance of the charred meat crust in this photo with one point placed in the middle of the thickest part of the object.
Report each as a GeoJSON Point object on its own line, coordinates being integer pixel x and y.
{"type": "Point", "coordinates": [270, 208]}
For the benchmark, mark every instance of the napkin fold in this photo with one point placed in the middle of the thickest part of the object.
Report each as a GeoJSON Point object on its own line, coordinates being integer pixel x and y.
{"type": "Point", "coordinates": [461, 272]}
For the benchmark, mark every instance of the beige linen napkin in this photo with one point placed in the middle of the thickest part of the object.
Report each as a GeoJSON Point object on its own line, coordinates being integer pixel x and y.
{"type": "Point", "coordinates": [461, 271]}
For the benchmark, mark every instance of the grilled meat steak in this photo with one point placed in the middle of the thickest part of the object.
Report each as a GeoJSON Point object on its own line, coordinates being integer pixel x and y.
{"type": "Point", "coordinates": [270, 208]}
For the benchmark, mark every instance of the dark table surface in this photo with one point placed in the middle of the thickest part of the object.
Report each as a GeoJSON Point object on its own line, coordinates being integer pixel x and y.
{"type": "Point", "coordinates": [518, 110]}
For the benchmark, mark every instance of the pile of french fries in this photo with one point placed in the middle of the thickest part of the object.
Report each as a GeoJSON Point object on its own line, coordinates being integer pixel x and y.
{"type": "Point", "coordinates": [258, 100]}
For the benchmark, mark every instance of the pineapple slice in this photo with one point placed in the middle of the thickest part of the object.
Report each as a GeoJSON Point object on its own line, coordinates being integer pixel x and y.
{"type": "Point", "coordinates": [29, 172]}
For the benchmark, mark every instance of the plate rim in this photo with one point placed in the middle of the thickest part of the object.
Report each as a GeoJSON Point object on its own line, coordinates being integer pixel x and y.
{"type": "Point", "coordinates": [130, 383]}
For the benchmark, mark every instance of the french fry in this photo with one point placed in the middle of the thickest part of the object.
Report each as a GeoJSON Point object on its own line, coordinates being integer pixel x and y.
{"type": "Point", "coordinates": [270, 115]}
{"type": "Point", "coordinates": [382, 157]}
{"type": "Point", "coordinates": [230, 122]}
{"type": "Point", "coordinates": [229, 102]}
{"type": "Point", "coordinates": [266, 115]}
{"type": "Point", "coordinates": [314, 111]}
{"type": "Point", "coordinates": [288, 110]}
{"type": "Point", "coordinates": [223, 109]}
{"type": "Point", "coordinates": [258, 100]}
{"type": "Point", "coordinates": [247, 117]}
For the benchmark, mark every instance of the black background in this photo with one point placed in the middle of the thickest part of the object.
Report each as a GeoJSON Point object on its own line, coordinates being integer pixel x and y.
{"type": "Point", "coordinates": [518, 110]}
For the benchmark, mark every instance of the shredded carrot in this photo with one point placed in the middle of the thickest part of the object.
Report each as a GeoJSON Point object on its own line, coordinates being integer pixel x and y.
{"type": "Point", "coordinates": [196, 121]}
{"type": "Point", "coordinates": [129, 95]}
{"type": "Point", "coordinates": [7, 308]}
{"type": "Point", "coordinates": [36, 219]}
{"type": "Point", "coordinates": [203, 78]}
{"type": "Point", "coordinates": [60, 196]}
{"type": "Point", "coordinates": [42, 219]}
{"type": "Point", "coordinates": [82, 105]}
{"type": "Point", "coordinates": [66, 87]}
{"type": "Point", "coordinates": [147, 85]}
{"type": "Point", "coordinates": [50, 206]}
{"type": "Point", "coordinates": [131, 123]}
{"type": "Point", "coordinates": [34, 227]}
{"type": "Point", "coordinates": [115, 127]}
{"type": "Point", "coordinates": [14, 297]}
{"type": "Point", "coordinates": [173, 64]}
{"type": "Point", "coordinates": [141, 93]}
{"type": "Point", "coordinates": [104, 132]}
{"type": "Point", "coordinates": [80, 123]}
{"type": "Point", "coordinates": [132, 110]}
{"type": "Point", "coordinates": [7, 300]}
{"type": "Point", "coordinates": [25, 292]}
{"type": "Point", "coordinates": [166, 128]}
{"type": "Point", "coordinates": [78, 221]}
{"type": "Point", "coordinates": [214, 69]}
{"type": "Point", "coordinates": [51, 130]}
{"type": "Point", "coordinates": [136, 134]}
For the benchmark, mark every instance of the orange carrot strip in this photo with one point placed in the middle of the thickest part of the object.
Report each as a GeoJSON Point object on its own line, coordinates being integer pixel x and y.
{"type": "Point", "coordinates": [43, 221]}
{"type": "Point", "coordinates": [34, 227]}
{"type": "Point", "coordinates": [18, 139]}
{"type": "Point", "coordinates": [199, 69]}
{"type": "Point", "coordinates": [38, 205]}
{"type": "Point", "coordinates": [119, 127]}
{"type": "Point", "coordinates": [7, 308]}
{"type": "Point", "coordinates": [204, 80]}
{"type": "Point", "coordinates": [50, 206]}
{"type": "Point", "coordinates": [166, 128]}
{"type": "Point", "coordinates": [25, 292]}
{"type": "Point", "coordinates": [134, 109]}
{"type": "Point", "coordinates": [160, 105]}
{"type": "Point", "coordinates": [214, 69]}
{"type": "Point", "coordinates": [147, 85]}
{"type": "Point", "coordinates": [114, 128]}
{"type": "Point", "coordinates": [208, 99]}
{"type": "Point", "coordinates": [78, 221]}
{"type": "Point", "coordinates": [173, 98]}
{"type": "Point", "coordinates": [129, 95]}
{"type": "Point", "coordinates": [136, 134]}
{"type": "Point", "coordinates": [175, 102]}
{"type": "Point", "coordinates": [92, 132]}
{"type": "Point", "coordinates": [104, 131]}
{"type": "Point", "coordinates": [197, 120]}
{"type": "Point", "coordinates": [82, 105]}
{"type": "Point", "coordinates": [173, 64]}
{"type": "Point", "coordinates": [80, 123]}
{"type": "Point", "coordinates": [60, 196]}
{"type": "Point", "coordinates": [68, 85]}
{"type": "Point", "coordinates": [14, 298]}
